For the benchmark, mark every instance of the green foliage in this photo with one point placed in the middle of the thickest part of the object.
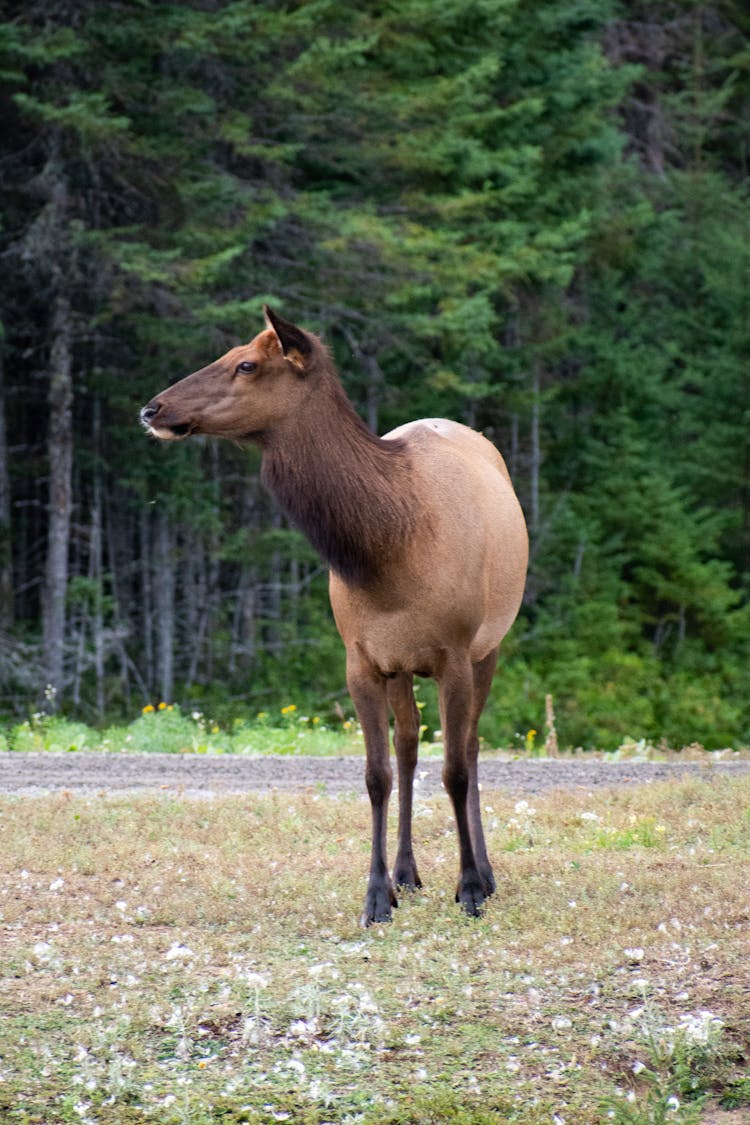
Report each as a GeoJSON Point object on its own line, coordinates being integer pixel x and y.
{"type": "Point", "coordinates": [166, 729]}
{"type": "Point", "coordinates": [41, 732]}
{"type": "Point", "coordinates": [531, 217]}
{"type": "Point", "coordinates": [736, 1095]}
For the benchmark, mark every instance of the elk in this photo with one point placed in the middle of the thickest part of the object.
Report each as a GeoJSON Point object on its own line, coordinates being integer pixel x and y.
{"type": "Point", "coordinates": [427, 550]}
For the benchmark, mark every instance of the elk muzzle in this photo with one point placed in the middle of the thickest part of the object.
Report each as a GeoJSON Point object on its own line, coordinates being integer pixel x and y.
{"type": "Point", "coordinates": [162, 427]}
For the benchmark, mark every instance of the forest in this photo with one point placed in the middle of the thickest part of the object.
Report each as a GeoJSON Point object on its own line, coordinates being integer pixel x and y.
{"type": "Point", "coordinates": [531, 216]}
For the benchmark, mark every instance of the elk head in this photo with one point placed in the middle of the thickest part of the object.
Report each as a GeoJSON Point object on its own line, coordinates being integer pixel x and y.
{"type": "Point", "coordinates": [246, 394]}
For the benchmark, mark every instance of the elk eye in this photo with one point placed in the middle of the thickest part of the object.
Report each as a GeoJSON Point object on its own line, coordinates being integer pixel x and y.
{"type": "Point", "coordinates": [246, 367]}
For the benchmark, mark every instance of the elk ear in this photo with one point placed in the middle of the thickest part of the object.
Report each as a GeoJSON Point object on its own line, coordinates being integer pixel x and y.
{"type": "Point", "coordinates": [295, 344]}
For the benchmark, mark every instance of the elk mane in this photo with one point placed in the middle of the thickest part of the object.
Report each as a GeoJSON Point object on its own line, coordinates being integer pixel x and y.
{"type": "Point", "coordinates": [350, 492]}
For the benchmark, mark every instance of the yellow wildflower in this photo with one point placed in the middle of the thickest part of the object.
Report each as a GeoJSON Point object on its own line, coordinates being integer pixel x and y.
{"type": "Point", "coordinates": [148, 709]}
{"type": "Point", "coordinates": [162, 706]}
{"type": "Point", "coordinates": [289, 709]}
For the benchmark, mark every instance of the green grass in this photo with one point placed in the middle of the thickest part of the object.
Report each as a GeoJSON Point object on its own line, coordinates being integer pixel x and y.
{"type": "Point", "coordinates": [186, 962]}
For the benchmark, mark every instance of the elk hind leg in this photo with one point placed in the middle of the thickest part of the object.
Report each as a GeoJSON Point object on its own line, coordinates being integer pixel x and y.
{"type": "Point", "coordinates": [456, 688]}
{"type": "Point", "coordinates": [483, 673]}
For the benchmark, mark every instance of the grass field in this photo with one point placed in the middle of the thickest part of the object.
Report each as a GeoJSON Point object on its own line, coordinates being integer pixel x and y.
{"type": "Point", "coordinates": [196, 961]}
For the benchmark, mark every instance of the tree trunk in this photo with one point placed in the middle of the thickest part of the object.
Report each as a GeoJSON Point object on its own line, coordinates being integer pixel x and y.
{"type": "Point", "coordinates": [272, 606]}
{"type": "Point", "coordinates": [246, 607]}
{"type": "Point", "coordinates": [6, 558]}
{"type": "Point", "coordinates": [536, 455]}
{"type": "Point", "coordinates": [198, 609]}
{"type": "Point", "coordinates": [122, 611]}
{"type": "Point", "coordinates": [213, 571]}
{"type": "Point", "coordinates": [60, 452]}
{"type": "Point", "coordinates": [513, 454]}
{"type": "Point", "coordinates": [96, 562]}
{"type": "Point", "coordinates": [164, 605]}
{"type": "Point", "coordinates": [375, 382]}
{"type": "Point", "coordinates": [244, 623]}
{"type": "Point", "coordinates": [147, 601]}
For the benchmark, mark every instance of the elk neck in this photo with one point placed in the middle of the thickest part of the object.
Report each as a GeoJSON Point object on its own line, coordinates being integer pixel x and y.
{"type": "Point", "coordinates": [349, 491]}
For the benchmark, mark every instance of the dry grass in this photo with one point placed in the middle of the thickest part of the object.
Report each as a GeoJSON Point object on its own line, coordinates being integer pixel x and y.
{"type": "Point", "coordinates": [189, 961]}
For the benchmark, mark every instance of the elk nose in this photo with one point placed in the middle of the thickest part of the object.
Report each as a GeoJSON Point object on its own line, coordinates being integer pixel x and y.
{"type": "Point", "coordinates": [149, 413]}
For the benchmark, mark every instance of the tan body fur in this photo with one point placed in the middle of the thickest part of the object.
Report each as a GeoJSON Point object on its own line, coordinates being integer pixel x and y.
{"type": "Point", "coordinates": [434, 597]}
{"type": "Point", "coordinates": [427, 547]}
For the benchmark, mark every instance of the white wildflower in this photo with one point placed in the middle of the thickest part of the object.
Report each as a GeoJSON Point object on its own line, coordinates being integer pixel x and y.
{"type": "Point", "coordinates": [523, 808]}
{"type": "Point", "coordinates": [256, 980]}
{"type": "Point", "coordinates": [701, 1028]}
{"type": "Point", "coordinates": [304, 1029]}
{"type": "Point", "coordinates": [178, 951]}
{"type": "Point", "coordinates": [634, 954]}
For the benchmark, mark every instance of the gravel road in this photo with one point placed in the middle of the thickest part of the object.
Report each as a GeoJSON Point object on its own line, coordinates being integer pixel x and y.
{"type": "Point", "coordinates": [198, 775]}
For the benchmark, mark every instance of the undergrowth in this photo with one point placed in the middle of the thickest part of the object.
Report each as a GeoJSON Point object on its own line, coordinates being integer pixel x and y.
{"type": "Point", "coordinates": [167, 729]}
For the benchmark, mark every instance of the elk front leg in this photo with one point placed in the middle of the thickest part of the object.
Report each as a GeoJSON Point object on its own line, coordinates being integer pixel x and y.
{"type": "Point", "coordinates": [368, 691]}
{"type": "Point", "coordinates": [406, 740]}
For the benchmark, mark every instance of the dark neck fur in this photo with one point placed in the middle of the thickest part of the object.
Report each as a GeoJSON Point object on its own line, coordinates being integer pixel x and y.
{"type": "Point", "coordinates": [344, 488]}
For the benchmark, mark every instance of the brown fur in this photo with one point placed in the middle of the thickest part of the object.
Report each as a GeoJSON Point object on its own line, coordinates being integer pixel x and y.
{"type": "Point", "coordinates": [320, 480]}
{"type": "Point", "coordinates": [427, 548]}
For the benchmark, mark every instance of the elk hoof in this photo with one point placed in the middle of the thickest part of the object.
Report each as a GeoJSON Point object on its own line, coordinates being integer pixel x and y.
{"type": "Point", "coordinates": [379, 903]}
{"type": "Point", "coordinates": [406, 876]}
{"type": "Point", "coordinates": [488, 881]}
{"type": "Point", "coordinates": [471, 894]}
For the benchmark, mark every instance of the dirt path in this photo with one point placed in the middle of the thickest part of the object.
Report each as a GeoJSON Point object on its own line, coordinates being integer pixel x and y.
{"type": "Point", "coordinates": [197, 775]}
